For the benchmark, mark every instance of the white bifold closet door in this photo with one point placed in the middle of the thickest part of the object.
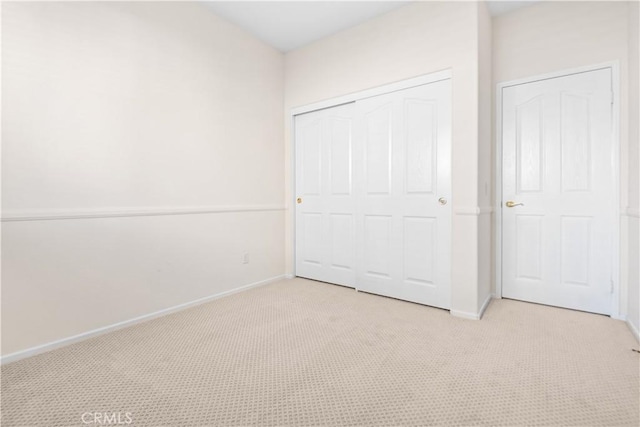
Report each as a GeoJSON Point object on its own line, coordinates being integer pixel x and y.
{"type": "Point", "coordinates": [373, 180]}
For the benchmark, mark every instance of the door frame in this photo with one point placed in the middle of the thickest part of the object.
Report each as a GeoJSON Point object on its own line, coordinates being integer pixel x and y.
{"type": "Point", "coordinates": [614, 66]}
{"type": "Point", "coordinates": [421, 80]}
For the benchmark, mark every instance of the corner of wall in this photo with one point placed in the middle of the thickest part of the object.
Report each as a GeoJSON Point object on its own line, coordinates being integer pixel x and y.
{"type": "Point", "coordinates": [485, 155]}
{"type": "Point", "coordinates": [633, 210]}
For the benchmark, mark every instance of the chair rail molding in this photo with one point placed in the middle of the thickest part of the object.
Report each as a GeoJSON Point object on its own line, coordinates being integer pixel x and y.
{"type": "Point", "coordinates": [61, 214]}
{"type": "Point", "coordinates": [473, 210]}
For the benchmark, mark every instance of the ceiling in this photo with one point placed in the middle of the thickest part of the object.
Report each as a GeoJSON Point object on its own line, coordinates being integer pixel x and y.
{"type": "Point", "coordinates": [500, 7]}
{"type": "Point", "coordinates": [287, 25]}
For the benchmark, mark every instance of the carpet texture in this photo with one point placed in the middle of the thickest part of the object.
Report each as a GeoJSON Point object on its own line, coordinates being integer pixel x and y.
{"type": "Point", "coordinates": [306, 353]}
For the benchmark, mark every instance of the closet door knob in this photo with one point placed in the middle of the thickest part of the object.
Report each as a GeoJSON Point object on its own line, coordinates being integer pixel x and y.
{"type": "Point", "coordinates": [442, 201]}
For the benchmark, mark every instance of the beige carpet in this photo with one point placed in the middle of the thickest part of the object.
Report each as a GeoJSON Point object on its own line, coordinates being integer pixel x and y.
{"type": "Point", "coordinates": [307, 353]}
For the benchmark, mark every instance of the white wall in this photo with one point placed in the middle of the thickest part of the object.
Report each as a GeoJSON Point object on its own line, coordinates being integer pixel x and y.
{"type": "Point", "coordinates": [554, 36]}
{"type": "Point", "coordinates": [153, 107]}
{"type": "Point", "coordinates": [634, 169]}
{"type": "Point", "coordinates": [414, 40]}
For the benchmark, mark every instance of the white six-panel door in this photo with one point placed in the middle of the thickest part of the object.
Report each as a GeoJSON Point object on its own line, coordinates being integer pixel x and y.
{"type": "Point", "coordinates": [388, 229]}
{"type": "Point", "coordinates": [325, 208]}
{"type": "Point", "coordinates": [557, 240]}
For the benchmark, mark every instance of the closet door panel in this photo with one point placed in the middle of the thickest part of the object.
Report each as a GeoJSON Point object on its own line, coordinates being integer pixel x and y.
{"type": "Point", "coordinates": [402, 185]}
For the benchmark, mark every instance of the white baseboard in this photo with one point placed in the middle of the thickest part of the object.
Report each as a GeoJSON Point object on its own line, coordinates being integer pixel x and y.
{"type": "Point", "coordinates": [22, 354]}
{"type": "Point", "coordinates": [485, 304]}
{"type": "Point", "coordinates": [470, 315]}
{"type": "Point", "coordinates": [618, 316]}
{"type": "Point", "coordinates": [289, 276]}
{"type": "Point", "coordinates": [634, 330]}
{"type": "Point", "coordinates": [465, 314]}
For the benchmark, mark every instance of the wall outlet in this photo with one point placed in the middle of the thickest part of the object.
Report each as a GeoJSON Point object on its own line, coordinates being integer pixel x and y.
{"type": "Point", "coordinates": [245, 258]}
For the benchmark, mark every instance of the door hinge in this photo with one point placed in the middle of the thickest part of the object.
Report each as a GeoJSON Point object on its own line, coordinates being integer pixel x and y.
{"type": "Point", "coordinates": [611, 290]}
{"type": "Point", "coordinates": [611, 98]}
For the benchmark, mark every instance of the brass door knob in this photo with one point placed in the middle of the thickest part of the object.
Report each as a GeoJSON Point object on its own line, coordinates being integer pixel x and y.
{"type": "Point", "coordinates": [511, 204]}
{"type": "Point", "coordinates": [299, 200]}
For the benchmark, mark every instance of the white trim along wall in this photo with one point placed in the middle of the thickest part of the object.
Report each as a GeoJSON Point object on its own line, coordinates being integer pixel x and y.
{"type": "Point", "coordinates": [59, 214]}
{"type": "Point", "coordinates": [379, 90]}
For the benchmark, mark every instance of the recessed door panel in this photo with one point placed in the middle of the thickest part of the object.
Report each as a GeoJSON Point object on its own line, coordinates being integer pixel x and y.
{"type": "Point", "coordinates": [420, 249]}
{"type": "Point", "coordinates": [529, 145]}
{"type": "Point", "coordinates": [575, 139]}
{"type": "Point", "coordinates": [340, 156]}
{"type": "Point", "coordinates": [311, 158]}
{"type": "Point", "coordinates": [342, 244]}
{"type": "Point", "coordinates": [378, 134]}
{"type": "Point", "coordinates": [312, 237]}
{"type": "Point", "coordinates": [377, 245]}
{"type": "Point", "coordinates": [576, 249]}
{"type": "Point", "coordinates": [529, 246]}
{"type": "Point", "coordinates": [421, 136]}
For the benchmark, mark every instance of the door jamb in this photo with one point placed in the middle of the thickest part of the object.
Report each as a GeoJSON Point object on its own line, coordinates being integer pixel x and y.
{"type": "Point", "coordinates": [614, 66]}
{"type": "Point", "coordinates": [433, 77]}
